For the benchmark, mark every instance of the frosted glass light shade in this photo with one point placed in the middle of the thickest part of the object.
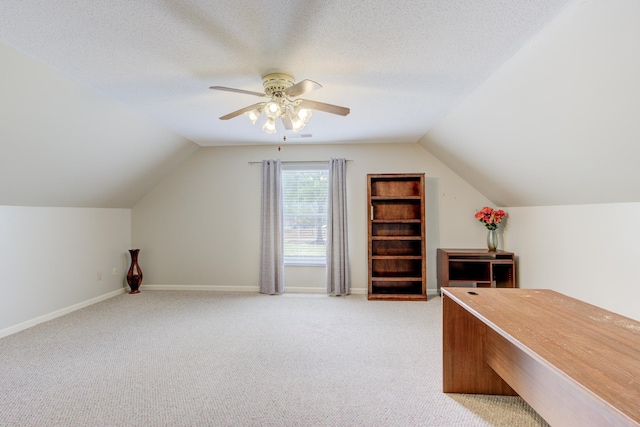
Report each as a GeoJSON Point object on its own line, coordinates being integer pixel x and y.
{"type": "Point", "coordinates": [304, 114]}
{"type": "Point", "coordinates": [272, 110]}
{"type": "Point", "coordinates": [269, 126]}
{"type": "Point", "coordinates": [253, 115]}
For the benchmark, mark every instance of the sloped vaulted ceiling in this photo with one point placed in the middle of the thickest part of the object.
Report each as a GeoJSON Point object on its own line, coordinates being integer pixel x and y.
{"type": "Point", "coordinates": [558, 123]}
{"type": "Point", "coordinates": [63, 145]}
{"type": "Point", "coordinates": [401, 67]}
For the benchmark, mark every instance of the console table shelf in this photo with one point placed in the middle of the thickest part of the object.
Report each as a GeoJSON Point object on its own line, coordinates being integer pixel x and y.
{"type": "Point", "coordinates": [476, 268]}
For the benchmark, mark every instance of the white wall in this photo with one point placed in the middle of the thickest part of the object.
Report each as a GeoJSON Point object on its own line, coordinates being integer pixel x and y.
{"type": "Point", "coordinates": [589, 252]}
{"type": "Point", "coordinates": [50, 257]}
{"type": "Point", "coordinates": [200, 226]}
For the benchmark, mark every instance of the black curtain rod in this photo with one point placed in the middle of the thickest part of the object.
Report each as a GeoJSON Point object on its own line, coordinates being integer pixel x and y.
{"type": "Point", "coordinates": [301, 161]}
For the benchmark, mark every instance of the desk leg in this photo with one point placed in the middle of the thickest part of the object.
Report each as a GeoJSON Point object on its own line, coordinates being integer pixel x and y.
{"type": "Point", "coordinates": [464, 367]}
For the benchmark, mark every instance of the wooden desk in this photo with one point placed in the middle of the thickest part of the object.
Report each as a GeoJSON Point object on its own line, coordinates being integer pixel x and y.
{"type": "Point", "coordinates": [574, 363]}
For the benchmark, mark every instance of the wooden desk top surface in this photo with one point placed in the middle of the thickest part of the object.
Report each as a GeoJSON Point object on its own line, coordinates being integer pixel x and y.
{"type": "Point", "coordinates": [595, 347]}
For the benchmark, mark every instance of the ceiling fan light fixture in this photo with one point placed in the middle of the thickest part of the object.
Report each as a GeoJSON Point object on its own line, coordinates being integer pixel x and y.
{"type": "Point", "coordinates": [281, 90]}
{"type": "Point", "coordinates": [253, 114]}
{"type": "Point", "coordinates": [270, 125]}
{"type": "Point", "coordinates": [273, 110]}
{"type": "Point", "coordinates": [296, 124]}
{"type": "Point", "coordinates": [304, 114]}
{"type": "Point", "coordinates": [292, 117]}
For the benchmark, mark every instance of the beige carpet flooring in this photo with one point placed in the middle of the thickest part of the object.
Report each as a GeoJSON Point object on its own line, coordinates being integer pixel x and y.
{"type": "Point", "coordinates": [167, 358]}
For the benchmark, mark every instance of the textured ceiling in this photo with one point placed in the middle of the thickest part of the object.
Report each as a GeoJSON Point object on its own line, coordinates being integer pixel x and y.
{"type": "Point", "coordinates": [400, 66]}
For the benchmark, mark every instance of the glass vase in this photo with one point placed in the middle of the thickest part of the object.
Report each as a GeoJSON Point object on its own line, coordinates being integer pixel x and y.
{"type": "Point", "coordinates": [492, 240]}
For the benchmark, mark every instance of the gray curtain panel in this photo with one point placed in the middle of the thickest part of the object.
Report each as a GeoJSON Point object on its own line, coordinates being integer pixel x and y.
{"type": "Point", "coordinates": [271, 230]}
{"type": "Point", "coordinates": [338, 272]}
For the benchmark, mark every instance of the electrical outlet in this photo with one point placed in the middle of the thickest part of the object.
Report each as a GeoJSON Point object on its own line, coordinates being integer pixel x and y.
{"type": "Point", "coordinates": [99, 275]}
{"type": "Point", "coordinates": [115, 271]}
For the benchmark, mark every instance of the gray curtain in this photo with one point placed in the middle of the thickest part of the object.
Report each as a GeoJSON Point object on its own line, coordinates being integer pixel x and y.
{"type": "Point", "coordinates": [271, 230]}
{"type": "Point", "coordinates": [338, 274]}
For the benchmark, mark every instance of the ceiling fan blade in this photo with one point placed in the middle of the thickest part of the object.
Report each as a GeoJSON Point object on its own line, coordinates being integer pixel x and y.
{"type": "Point", "coordinates": [286, 121]}
{"type": "Point", "coordinates": [301, 87]}
{"type": "Point", "coordinates": [321, 106]}
{"type": "Point", "coordinates": [230, 89]}
{"type": "Point", "coordinates": [241, 111]}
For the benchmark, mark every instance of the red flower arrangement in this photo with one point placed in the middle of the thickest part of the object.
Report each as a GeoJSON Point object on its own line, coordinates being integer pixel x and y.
{"type": "Point", "coordinates": [490, 217]}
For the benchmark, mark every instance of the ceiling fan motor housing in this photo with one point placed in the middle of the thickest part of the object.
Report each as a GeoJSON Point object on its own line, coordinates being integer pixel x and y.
{"type": "Point", "coordinates": [275, 83]}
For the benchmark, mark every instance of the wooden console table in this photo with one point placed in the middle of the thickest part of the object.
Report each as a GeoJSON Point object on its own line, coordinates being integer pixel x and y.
{"type": "Point", "coordinates": [574, 363]}
{"type": "Point", "coordinates": [475, 268]}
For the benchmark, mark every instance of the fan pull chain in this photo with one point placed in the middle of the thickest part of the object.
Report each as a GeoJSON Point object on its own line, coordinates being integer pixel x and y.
{"type": "Point", "coordinates": [284, 139]}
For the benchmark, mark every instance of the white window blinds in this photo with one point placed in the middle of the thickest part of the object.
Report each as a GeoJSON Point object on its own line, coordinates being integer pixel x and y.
{"type": "Point", "coordinates": [305, 191]}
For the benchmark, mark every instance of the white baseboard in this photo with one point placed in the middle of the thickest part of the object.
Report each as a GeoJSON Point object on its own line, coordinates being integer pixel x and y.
{"type": "Point", "coordinates": [45, 318]}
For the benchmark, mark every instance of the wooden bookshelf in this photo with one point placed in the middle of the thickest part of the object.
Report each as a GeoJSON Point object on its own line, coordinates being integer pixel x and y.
{"type": "Point", "coordinates": [396, 230]}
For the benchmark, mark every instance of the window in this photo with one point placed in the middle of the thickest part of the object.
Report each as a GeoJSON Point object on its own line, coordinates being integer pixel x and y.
{"type": "Point", "coordinates": [304, 196]}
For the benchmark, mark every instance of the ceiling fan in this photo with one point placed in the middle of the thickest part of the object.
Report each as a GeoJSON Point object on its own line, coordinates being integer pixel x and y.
{"type": "Point", "coordinates": [281, 90]}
